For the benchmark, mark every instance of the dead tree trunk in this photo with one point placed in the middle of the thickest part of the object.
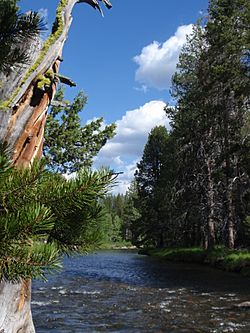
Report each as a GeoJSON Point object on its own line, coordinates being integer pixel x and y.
{"type": "Point", "coordinates": [15, 314]}
{"type": "Point", "coordinates": [24, 109]}
{"type": "Point", "coordinates": [23, 112]}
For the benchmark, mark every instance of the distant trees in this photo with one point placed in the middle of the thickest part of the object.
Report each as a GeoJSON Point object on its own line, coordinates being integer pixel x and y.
{"type": "Point", "coordinates": [68, 145]}
{"type": "Point", "coordinates": [205, 188]}
{"type": "Point", "coordinates": [120, 213]}
{"type": "Point", "coordinates": [151, 225]}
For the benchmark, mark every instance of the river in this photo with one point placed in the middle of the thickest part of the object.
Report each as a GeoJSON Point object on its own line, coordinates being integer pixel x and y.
{"type": "Point", "coordinates": [123, 292]}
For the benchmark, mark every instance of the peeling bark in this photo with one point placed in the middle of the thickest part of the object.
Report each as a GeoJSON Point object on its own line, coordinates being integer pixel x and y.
{"type": "Point", "coordinates": [22, 127]}
{"type": "Point", "coordinates": [15, 314]}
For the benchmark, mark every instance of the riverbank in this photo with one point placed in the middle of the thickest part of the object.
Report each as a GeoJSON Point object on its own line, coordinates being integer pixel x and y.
{"type": "Point", "coordinates": [220, 257]}
{"type": "Point", "coordinates": [123, 245]}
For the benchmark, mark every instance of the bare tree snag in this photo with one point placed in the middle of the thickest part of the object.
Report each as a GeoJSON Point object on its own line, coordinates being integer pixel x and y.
{"type": "Point", "coordinates": [24, 102]}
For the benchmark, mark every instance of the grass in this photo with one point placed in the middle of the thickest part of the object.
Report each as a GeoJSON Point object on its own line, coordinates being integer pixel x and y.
{"type": "Point", "coordinates": [116, 245]}
{"type": "Point", "coordinates": [238, 262]}
{"type": "Point", "coordinates": [220, 257]}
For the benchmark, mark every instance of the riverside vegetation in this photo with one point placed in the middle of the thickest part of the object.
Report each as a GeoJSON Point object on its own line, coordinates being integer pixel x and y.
{"type": "Point", "coordinates": [190, 196]}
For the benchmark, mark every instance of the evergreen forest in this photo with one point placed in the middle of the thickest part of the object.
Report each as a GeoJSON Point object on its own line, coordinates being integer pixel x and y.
{"type": "Point", "coordinates": [191, 187]}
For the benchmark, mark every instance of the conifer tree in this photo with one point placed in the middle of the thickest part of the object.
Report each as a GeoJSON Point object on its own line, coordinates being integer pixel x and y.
{"type": "Point", "coordinates": [149, 229]}
{"type": "Point", "coordinates": [68, 145]}
{"type": "Point", "coordinates": [211, 88]}
{"type": "Point", "coordinates": [42, 217]}
{"type": "Point", "coordinates": [23, 111]}
{"type": "Point", "coordinates": [16, 28]}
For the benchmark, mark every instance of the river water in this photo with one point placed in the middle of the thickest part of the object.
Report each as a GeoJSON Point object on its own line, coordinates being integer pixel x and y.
{"type": "Point", "coordinates": [123, 292]}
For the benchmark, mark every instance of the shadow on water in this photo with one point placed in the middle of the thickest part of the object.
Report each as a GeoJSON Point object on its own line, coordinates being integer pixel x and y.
{"type": "Point", "coordinates": [121, 291]}
{"type": "Point", "coordinates": [131, 268]}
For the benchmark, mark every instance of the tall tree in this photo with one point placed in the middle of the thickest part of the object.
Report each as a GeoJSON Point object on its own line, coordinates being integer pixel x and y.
{"type": "Point", "coordinates": [194, 188]}
{"type": "Point", "coordinates": [68, 145]}
{"type": "Point", "coordinates": [149, 229]}
{"type": "Point", "coordinates": [211, 88]}
{"type": "Point", "coordinates": [23, 111]}
{"type": "Point", "coordinates": [228, 27]}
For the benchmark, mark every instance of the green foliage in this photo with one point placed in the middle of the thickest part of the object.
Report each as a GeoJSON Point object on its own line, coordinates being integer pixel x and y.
{"type": "Point", "coordinates": [113, 220]}
{"type": "Point", "coordinates": [69, 145]}
{"type": "Point", "coordinates": [118, 219]}
{"type": "Point", "coordinates": [150, 228]}
{"type": "Point", "coordinates": [15, 30]}
{"type": "Point", "coordinates": [43, 215]}
{"type": "Point", "coordinates": [221, 257]}
{"type": "Point", "coordinates": [211, 91]}
{"type": "Point", "coordinates": [237, 261]}
{"type": "Point", "coordinates": [193, 185]}
{"type": "Point", "coordinates": [194, 254]}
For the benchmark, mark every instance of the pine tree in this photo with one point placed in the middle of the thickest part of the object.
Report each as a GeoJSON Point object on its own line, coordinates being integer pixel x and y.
{"type": "Point", "coordinates": [149, 229]}
{"type": "Point", "coordinates": [195, 149]}
{"type": "Point", "coordinates": [211, 88]}
{"type": "Point", "coordinates": [68, 145]}
{"type": "Point", "coordinates": [23, 111]}
{"type": "Point", "coordinates": [16, 28]}
{"type": "Point", "coordinates": [43, 215]}
{"type": "Point", "coordinates": [228, 30]}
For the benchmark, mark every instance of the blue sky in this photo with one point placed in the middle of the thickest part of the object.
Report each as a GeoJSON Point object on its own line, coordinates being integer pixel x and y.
{"type": "Point", "coordinates": [124, 63]}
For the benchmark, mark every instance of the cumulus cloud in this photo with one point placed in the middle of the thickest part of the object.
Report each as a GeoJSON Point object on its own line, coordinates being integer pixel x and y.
{"type": "Point", "coordinates": [126, 148]}
{"type": "Point", "coordinates": [157, 62]}
{"type": "Point", "coordinates": [125, 178]}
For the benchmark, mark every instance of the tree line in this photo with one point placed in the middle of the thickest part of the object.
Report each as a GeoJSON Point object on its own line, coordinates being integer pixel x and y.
{"type": "Point", "coordinates": [192, 183]}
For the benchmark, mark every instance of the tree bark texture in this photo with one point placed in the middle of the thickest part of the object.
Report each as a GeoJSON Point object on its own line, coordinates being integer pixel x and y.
{"type": "Point", "coordinates": [211, 205]}
{"type": "Point", "coordinates": [15, 314]}
{"type": "Point", "coordinates": [22, 127]}
{"type": "Point", "coordinates": [22, 124]}
{"type": "Point", "coordinates": [230, 217]}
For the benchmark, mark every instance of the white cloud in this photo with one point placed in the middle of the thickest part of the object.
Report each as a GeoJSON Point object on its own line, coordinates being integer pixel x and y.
{"type": "Point", "coordinates": [126, 148]}
{"type": "Point", "coordinates": [143, 88]}
{"type": "Point", "coordinates": [125, 178]}
{"type": "Point", "coordinates": [157, 62]}
{"type": "Point", "coordinates": [43, 12]}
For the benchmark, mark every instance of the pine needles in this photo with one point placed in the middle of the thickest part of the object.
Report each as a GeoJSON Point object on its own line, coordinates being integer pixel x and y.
{"type": "Point", "coordinates": [43, 215]}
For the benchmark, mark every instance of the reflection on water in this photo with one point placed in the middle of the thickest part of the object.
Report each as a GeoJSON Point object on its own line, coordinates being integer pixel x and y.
{"type": "Point", "coordinates": [122, 292]}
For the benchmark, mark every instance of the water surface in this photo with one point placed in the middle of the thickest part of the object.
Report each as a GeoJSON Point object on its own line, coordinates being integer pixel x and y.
{"type": "Point", "coordinates": [123, 292]}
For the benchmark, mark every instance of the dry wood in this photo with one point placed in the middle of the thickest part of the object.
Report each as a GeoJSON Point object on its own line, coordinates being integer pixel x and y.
{"type": "Point", "coordinates": [15, 313]}
{"type": "Point", "coordinates": [22, 127]}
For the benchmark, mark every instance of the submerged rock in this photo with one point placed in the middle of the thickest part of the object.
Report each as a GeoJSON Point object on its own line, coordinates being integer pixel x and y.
{"type": "Point", "coordinates": [243, 305]}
